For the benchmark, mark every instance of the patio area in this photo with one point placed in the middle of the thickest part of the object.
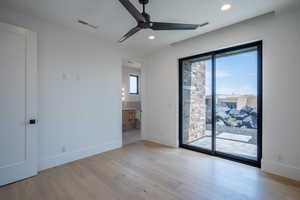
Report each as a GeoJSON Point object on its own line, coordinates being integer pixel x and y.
{"type": "Point", "coordinates": [235, 141]}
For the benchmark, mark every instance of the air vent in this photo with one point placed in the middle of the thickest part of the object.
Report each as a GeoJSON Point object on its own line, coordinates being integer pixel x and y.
{"type": "Point", "coordinates": [87, 24]}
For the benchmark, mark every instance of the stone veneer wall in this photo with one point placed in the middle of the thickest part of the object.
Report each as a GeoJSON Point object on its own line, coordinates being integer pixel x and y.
{"type": "Point", "coordinates": [194, 109]}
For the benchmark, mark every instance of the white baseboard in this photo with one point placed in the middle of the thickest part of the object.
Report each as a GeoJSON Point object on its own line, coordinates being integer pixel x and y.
{"type": "Point", "coordinates": [166, 143]}
{"type": "Point", "coordinates": [281, 169]}
{"type": "Point", "coordinates": [67, 157]}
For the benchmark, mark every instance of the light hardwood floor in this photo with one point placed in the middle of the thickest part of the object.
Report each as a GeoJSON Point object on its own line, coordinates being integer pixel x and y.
{"type": "Point", "coordinates": [145, 170]}
{"type": "Point", "coordinates": [131, 136]}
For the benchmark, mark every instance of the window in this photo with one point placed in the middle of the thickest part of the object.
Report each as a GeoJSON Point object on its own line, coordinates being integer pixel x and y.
{"type": "Point", "coordinates": [133, 84]}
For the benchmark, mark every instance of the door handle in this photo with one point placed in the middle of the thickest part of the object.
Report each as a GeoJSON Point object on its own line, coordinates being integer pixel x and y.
{"type": "Point", "coordinates": [32, 121]}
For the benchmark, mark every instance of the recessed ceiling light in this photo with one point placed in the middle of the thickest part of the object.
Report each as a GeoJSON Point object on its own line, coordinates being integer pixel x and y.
{"type": "Point", "coordinates": [151, 37]}
{"type": "Point", "coordinates": [225, 7]}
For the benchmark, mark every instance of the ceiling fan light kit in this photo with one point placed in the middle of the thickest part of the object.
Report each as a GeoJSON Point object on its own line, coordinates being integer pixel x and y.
{"type": "Point", "coordinates": [143, 20]}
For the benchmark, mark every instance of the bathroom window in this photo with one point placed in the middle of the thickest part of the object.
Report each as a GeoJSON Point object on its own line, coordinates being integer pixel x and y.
{"type": "Point", "coordinates": [133, 84]}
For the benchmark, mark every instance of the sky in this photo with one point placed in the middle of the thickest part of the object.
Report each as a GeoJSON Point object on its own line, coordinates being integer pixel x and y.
{"type": "Point", "coordinates": [235, 74]}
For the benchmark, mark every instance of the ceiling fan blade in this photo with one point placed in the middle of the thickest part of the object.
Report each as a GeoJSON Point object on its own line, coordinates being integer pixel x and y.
{"type": "Point", "coordinates": [130, 33]}
{"type": "Point", "coordinates": [158, 26]}
{"type": "Point", "coordinates": [133, 11]}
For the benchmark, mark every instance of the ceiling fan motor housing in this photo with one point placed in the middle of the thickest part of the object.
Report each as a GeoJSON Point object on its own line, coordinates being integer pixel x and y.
{"type": "Point", "coordinates": [147, 16]}
{"type": "Point", "coordinates": [146, 24]}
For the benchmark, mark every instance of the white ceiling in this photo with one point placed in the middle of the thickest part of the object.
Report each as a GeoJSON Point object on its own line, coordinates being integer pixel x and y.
{"type": "Point", "coordinates": [114, 21]}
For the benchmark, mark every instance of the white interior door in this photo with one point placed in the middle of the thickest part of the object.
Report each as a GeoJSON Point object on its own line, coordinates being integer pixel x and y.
{"type": "Point", "coordinates": [18, 104]}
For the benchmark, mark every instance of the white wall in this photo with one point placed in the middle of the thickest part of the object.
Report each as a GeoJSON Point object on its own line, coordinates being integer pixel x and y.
{"type": "Point", "coordinates": [280, 33]}
{"type": "Point", "coordinates": [79, 90]}
{"type": "Point", "coordinates": [126, 71]}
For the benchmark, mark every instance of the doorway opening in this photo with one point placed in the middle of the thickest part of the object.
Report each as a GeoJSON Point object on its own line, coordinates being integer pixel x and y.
{"type": "Point", "coordinates": [221, 103]}
{"type": "Point", "coordinates": [131, 101]}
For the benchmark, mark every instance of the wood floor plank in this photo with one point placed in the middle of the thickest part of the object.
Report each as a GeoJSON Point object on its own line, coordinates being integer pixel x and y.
{"type": "Point", "coordinates": [145, 170]}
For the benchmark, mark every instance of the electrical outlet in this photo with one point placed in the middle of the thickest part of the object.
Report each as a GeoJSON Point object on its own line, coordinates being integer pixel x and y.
{"type": "Point", "coordinates": [279, 158]}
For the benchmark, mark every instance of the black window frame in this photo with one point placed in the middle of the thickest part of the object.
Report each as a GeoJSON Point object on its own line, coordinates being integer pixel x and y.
{"type": "Point", "coordinates": [213, 152]}
{"type": "Point", "coordinates": [137, 84]}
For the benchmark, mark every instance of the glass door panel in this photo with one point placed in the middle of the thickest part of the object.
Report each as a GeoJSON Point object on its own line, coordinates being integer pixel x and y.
{"type": "Point", "coordinates": [197, 102]}
{"type": "Point", "coordinates": [236, 94]}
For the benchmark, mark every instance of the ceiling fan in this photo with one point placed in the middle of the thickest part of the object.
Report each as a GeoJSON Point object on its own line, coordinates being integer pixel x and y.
{"type": "Point", "coordinates": [144, 21]}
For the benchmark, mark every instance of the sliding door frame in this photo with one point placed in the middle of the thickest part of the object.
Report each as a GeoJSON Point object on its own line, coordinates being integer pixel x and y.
{"type": "Point", "coordinates": [256, 163]}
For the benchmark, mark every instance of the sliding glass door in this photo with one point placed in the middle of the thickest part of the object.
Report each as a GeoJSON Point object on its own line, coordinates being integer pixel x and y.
{"type": "Point", "coordinates": [220, 103]}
